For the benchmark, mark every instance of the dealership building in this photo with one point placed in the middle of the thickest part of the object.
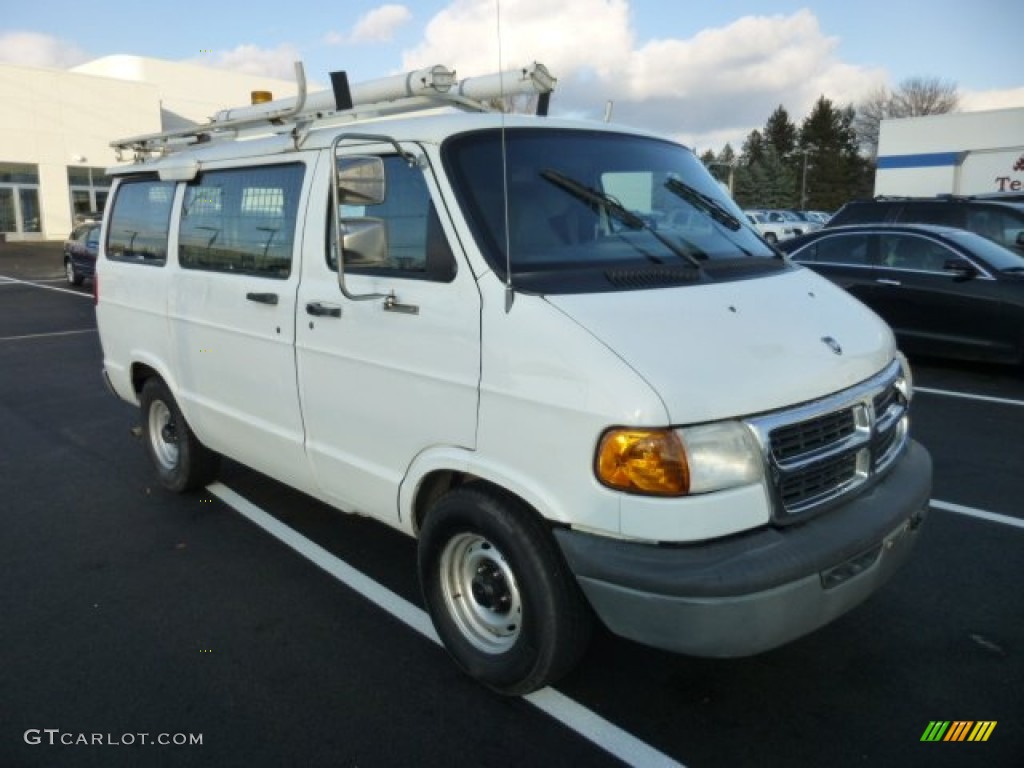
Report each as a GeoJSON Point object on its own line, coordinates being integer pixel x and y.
{"type": "Point", "coordinates": [961, 153]}
{"type": "Point", "coordinates": [58, 124]}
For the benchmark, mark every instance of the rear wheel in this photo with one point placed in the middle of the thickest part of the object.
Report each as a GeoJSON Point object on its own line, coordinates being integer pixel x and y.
{"type": "Point", "coordinates": [771, 237]}
{"type": "Point", "coordinates": [69, 272]}
{"type": "Point", "coordinates": [181, 461]}
{"type": "Point", "coordinates": [501, 597]}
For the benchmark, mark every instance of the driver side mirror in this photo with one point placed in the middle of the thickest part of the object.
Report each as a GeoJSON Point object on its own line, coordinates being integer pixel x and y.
{"type": "Point", "coordinates": [961, 269]}
{"type": "Point", "coordinates": [361, 181]}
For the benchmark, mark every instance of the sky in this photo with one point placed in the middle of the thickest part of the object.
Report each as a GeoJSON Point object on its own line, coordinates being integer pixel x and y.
{"type": "Point", "coordinates": [703, 73]}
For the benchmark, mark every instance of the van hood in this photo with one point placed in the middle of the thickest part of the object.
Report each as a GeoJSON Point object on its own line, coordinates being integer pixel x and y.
{"type": "Point", "coordinates": [724, 350]}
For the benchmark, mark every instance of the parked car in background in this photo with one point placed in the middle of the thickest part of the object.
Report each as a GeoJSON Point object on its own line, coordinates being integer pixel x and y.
{"type": "Point", "coordinates": [999, 218]}
{"type": "Point", "coordinates": [772, 231]}
{"type": "Point", "coordinates": [790, 219]}
{"type": "Point", "coordinates": [821, 217]}
{"type": "Point", "coordinates": [80, 252]}
{"type": "Point", "coordinates": [804, 219]}
{"type": "Point", "coordinates": [944, 291]}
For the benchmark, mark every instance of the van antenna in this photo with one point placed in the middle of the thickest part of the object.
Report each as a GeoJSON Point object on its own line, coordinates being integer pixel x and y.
{"type": "Point", "coordinates": [509, 292]}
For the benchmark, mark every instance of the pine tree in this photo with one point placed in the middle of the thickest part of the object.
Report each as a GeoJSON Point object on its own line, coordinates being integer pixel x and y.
{"type": "Point", "coordinates": [781, 133]}
{"type": "Point", "coordinates": [831, 171]}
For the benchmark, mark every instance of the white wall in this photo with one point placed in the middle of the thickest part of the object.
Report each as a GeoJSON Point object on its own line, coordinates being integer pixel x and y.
{"type": "Point", "coordinates": [50, 117]}
{"type": "Point", "coordinates": [189, 90]}
{"type": "Point", "coordinates": [962, 153]}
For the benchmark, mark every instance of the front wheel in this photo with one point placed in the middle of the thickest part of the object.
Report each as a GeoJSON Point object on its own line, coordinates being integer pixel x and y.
{"type": "Point", "coordinates": [501, 597]}
{"type": "Point", "coordinates": [181, 461]}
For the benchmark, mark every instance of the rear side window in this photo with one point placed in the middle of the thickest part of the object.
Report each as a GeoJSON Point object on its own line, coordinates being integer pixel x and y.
{"type": "Point", "coordinates": [241, 220]}
{"type": "Point", "coordinates": [944, 214]}
{"type": "Point", "coordinates": [995, 224]}
{"type": "Point", "coordinates": [841, 249]}
{"type": "Point", "coordinates": [139, 222]}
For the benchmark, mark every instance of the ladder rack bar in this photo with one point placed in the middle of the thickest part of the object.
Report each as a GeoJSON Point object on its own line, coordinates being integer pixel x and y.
{"type": "Point", "coordinates": [416, 90]}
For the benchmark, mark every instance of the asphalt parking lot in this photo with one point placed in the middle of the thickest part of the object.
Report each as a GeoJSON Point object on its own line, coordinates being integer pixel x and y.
{"type": "Point", "coordinates": [249, 625]}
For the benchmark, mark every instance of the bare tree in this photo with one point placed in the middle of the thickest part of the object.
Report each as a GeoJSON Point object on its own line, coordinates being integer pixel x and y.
{"type": "Point", "coordinates": [913, 97]}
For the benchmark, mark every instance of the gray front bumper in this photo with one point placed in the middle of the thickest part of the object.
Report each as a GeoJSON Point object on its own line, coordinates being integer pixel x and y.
{"type": "Point", "coordinates": [755, 591]}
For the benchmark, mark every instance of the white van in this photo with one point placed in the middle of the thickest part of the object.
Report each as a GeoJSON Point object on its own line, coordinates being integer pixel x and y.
{"type": "Point", "coordinates": [552, 351]}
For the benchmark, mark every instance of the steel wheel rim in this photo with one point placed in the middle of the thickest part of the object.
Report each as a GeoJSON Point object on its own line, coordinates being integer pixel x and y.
{"type": "Point", "coordinates": [481, 593]}
{"type": "Point", "coordinates": [165, 451]}
{"type": "Point", "coordinates": [69, 270]}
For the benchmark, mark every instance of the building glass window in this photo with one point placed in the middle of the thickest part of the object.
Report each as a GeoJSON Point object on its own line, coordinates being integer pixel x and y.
{"type": "Point", "coordinates": [19, 198]}
{"type": "Point", "coordinates": [29, 199]}
{"type": "Point", "coordinates": [8, 218]}
{"type": "Point", "coordinates": [19, 173]}
{"type": "Point", "coordinates": [89, 190]}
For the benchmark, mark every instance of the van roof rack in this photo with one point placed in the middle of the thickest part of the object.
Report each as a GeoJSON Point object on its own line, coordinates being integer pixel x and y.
{"type": "Point", "coordinates": [416, 90]}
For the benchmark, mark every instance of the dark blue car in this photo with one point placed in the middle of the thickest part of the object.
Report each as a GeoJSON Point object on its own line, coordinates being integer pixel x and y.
{"type": "Point", "coordinates": [80, 252]}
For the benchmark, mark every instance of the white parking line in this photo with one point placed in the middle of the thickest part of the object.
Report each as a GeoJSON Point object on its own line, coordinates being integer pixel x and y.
{"type": "Point", "coordinates": [967, 396]}
{"type": "Point", "coordinates": [7, 280]}
{"type": "Point", "coordinates": [46, 335]}
{"type": "Point", "coordinates": [583, 721]}
{"type": "Point", "coordinates": [992, 517]}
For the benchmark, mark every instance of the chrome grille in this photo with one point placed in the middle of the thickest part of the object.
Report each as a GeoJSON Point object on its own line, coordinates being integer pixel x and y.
{"type": "Point", "coordinates": [798, 439]}
{"type": "Point", "coordinates": [819, 452]}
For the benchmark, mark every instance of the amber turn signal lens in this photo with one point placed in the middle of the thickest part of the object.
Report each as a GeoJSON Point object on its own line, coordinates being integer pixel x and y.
{"type": "Point", "coordinates": [650, 461]}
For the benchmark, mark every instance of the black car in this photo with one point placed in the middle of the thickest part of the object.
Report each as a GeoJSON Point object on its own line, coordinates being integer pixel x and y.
{"type": "Point", "coordinates": [80, 252]}
{"type": "Point", "coordinates": [997, 217]}
{"type": "Point", "coordinates": [944, 291]}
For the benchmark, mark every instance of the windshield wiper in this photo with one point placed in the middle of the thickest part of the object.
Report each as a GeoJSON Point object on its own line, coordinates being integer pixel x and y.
{"type": "Point", "coordinates": [703, 202]}
{"type": "Point", "coordinates": [595, 199]}
{"type": "Point", "coordinates": [599, 201]}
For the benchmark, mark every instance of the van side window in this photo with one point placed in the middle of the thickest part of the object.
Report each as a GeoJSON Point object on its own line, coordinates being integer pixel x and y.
{"type": "Point", "coordinates": [417, 245]}
{"type": "Point", "coordinates": [241, 220]}
{"type": "Point", "coordinates": [139, 222]}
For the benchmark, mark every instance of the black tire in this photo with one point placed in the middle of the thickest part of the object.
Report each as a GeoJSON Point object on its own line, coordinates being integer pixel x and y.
{"type": "Point", "coordinates": [771, 237]}
{"type": "Point", "coordinates": [70, 274]}
{"type": "Point", "coordinates": [181, 461]}
{"type": "Point", "coordinates": [525, 622]}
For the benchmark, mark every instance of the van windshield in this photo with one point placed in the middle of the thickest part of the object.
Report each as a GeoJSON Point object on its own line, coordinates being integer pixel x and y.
{"type": "Point", "coordinates": [599, 211]}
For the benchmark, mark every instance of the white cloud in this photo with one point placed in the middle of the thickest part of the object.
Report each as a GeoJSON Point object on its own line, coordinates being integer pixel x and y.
{"type": "Point", "coordinates": [712, 86]}
{"type": "Point", "coordinates": [976, 101]}
{"type": "Point", "coordinates": [276, 62]}
{"type": "Point", "coordinates": [35, 50]}
{"type": "Point", "coordinates": [379, 25]}
{"type": "Point", "coordinates": [376, 26]}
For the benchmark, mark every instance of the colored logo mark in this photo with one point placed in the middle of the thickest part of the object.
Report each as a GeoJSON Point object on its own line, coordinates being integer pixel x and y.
{"type": "Point", "coordinates": [958, 730]}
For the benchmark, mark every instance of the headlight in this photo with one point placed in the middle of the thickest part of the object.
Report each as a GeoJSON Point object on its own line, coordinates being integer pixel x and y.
{"type": "Point", "coordinates": [677, 462]}
{"type": "Point", "coordinates": [721, 455]}
{"type": "Point", "coordinates": [907, 387]}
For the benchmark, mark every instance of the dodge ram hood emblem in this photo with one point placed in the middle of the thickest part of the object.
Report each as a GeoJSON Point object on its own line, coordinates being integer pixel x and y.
{"type": "Point", "coordinates": [832, 344]}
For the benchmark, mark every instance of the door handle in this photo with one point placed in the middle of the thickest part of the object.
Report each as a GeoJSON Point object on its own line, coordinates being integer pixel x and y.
{"type": "Point", "coordinates": [316, 309]}
{"type": "Point", "coordinates": [887, 281]}
{"type": "Point", "coordinates": [262, 298]}
{"type": "Point", "coordinates": [391, 304]}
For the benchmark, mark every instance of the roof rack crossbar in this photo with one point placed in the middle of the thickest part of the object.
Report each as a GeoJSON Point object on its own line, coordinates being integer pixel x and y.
{"type": "Point", "coordinates": [420, 89]}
